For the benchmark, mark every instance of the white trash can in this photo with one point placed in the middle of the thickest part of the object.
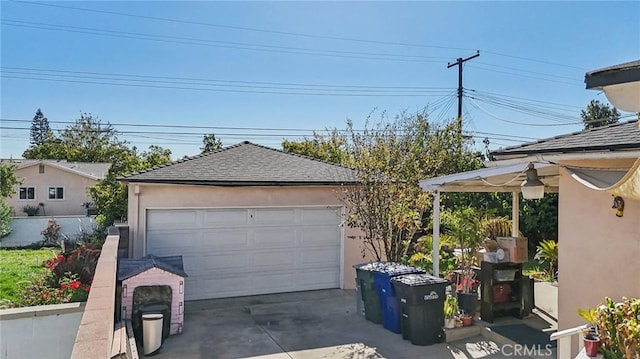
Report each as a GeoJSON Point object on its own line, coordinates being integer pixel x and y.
{"type": "Point", "coordinates": [151, 332]}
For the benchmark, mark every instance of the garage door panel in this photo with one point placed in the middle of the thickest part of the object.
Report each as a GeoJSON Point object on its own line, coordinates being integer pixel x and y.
{"type": "Point", "coordinates": [172, 219]}
{"type": "Point", "coordinates": [318, 279]}
{"type": "Point", "coordinates": [274, 216]}
{"type": "Point", "coordinates": [234, 252]}
{"type": "Point", "coordinates": [225, 239]}
{"type": "Point", "coordinates": [274, 238]}
{"type": "Point", "coordinates": [274, 260]}
{"type": "Point", "coordinates": [327, 257]}
{"type": "Point", "coordinates": [319, 236]}
{"type": "Point", "coordinates": [320, 216]}
{"type": "Point", "coordinates": [227, 262]}
{"type": "Point", "coordinates": [227, 218]}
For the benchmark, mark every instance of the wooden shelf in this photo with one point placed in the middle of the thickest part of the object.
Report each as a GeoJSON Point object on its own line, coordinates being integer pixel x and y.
{"type": "Point", "coordinates": [489, 310]}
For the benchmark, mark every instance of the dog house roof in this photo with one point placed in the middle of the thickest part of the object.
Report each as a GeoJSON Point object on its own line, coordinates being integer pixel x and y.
{"type": "Point", "coordinates": [131, 267]}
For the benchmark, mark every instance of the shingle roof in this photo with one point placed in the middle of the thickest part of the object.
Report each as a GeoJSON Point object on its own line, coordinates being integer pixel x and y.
{"type": "Point", "coordinates": [619, 136]}
{"type": "Point", "coordinates": [96, 170]}
{"type": "Point", "coordinates": [128, 268]}
{"type": "Point", "coordinates": [246, 164]}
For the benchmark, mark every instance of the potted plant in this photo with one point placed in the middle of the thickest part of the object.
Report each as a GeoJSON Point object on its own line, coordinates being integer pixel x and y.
{"type": "Point", "coordinates": [30, 210]}
{"type": "Point", "coordinates": [466, 319]}
{"type": "Point", "coordinates": [464, 226]}
{"type": "Point", "coordinates": [450, 311]}
{"type": "Point", "coordinates": [590, 333]}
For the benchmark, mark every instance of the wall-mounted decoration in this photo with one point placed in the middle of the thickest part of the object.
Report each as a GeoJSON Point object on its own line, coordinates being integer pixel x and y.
{"type": "Point", "coordinates": [618, 204]}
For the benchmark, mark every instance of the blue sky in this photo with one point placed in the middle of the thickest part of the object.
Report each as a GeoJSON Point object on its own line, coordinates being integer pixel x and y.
{"type": "Point", "coordinates": [267, 71]}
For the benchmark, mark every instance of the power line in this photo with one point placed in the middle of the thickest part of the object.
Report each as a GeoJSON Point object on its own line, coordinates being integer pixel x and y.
{"type": "Point", "coordinates": [288, 33]}
{"type": "Point", "coordinates": [417, 94]}
{"type": "Point", "coordinates": [296, 34]}
{"type": "Point", "coordinates": [576, 83]}
{"type": "Point", "coordinates": [173, 134]}
{"type": "Point", "coordinates": [117, 76]}
{"type": "Point", "coordinates": [222, 44]}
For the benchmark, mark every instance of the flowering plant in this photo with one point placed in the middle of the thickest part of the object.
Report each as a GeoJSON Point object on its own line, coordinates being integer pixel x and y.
{"type": "Point", "coordinates": [70, 289]}
{"type": "Point", "coordinates": [81, 261]}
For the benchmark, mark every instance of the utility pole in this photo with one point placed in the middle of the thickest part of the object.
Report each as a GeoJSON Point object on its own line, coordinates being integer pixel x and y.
{"type": "Point", "coordinates": [459, 62]}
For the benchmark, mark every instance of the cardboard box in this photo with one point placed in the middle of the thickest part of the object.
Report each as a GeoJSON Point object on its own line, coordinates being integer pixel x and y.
{"type": "Point", "coordinates": [483, 256]}
{"type": "Point", "coordinates": [516, 249]}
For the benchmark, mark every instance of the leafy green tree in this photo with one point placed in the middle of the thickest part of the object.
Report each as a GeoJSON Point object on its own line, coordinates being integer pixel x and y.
{"type": "Point", "coordinates": [8, 183]}
{"type": "Point", "coordinates": [598, 114]}
{"type": "Point", "coordinates": [90, 140]}
{"type": "Point", "coordinates": [210, 143]}
{"type": "Point", "coordinates": [331, 147]}
{"type": "Point", "coordinates": [8, 180]}
{"type": "Point", "coordinates": [40, 129]}
{"type": "Point", "coordinates": [110, 196]}
{"type": "Point", "coordinates": [390, 158]}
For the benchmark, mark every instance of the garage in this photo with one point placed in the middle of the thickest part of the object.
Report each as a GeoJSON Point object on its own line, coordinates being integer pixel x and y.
{"type": "Point", "coordinates": [247, 219]}
{"type": "Point", "coordinates": [246, 251]}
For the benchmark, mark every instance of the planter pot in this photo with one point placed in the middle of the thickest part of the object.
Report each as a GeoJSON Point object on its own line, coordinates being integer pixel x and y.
{"type": "Point", "coordinates": [450, 323]}
{"type": "Point", "coordinates": [467, 320]}
{"type": "Point", "coordinates": [591, 347]}
{"type": "Point", "coordinates": [468, 302]}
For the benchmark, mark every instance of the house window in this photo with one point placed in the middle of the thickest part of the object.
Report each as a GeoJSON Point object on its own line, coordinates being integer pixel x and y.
{"type": "Point", "coordinates": [27, 193]}
{"type": "Point", "coordinates": [41, 168]}
{"type": "Point", "coordinates": [56, 192]}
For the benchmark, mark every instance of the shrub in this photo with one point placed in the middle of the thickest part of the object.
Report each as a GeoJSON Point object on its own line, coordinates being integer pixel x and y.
{"type": "Point", "coordinates": [5, 218]}
{"type": "Point", "coordinates": [69, 289]}
{"type": "Point", "coordinates": [31, 210]}
{"type": "Point", "coordinates": [81, 262]}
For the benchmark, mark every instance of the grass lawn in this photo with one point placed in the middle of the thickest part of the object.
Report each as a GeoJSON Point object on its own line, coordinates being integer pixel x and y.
{"type": "Point", "coordinates": [19, 267]}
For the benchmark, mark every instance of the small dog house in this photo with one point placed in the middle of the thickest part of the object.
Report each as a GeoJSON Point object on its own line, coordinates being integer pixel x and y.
{"type": "Point", "coordinates": [153, 282]}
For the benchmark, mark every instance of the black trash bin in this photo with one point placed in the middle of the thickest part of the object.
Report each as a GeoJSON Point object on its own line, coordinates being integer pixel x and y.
{"type": "Point", "coordinates": [137, 320]}
{"type": "Point", "coordinates": [368, 292]}
{"type": "Point", "coordinates": [422, 307]}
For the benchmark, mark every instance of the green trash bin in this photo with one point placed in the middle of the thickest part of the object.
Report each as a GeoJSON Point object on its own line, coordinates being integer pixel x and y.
{"type": "Point", "coordinates": [368, 292]}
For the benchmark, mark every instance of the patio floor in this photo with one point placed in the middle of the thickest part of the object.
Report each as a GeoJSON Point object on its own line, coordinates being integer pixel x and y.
{"type": "Point", "coordinates": [313, 324]}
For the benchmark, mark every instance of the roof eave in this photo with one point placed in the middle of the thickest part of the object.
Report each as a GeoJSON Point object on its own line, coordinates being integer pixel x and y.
{"type": "Point", "coordinates": [585, 149]}
{"type": "Point", "coordinates": [619, 74]}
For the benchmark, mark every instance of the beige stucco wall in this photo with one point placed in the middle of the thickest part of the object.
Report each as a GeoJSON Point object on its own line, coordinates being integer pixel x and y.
{"type": "Point", "coordinates": [75, 191]}
{"type": "Point", "coordinates": [183, 196]}
{"type": "Point", "coordinates": [599, 253]}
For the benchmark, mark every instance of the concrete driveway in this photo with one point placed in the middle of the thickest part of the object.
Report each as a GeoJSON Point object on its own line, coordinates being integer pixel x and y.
{"type": "Point", "coordinates": [314, 324]}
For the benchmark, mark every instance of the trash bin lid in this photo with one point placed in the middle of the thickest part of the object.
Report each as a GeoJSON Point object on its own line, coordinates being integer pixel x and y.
{"type": "Point", "coordinates": [395, 269]}
{"type": "Point", "coordinates": [152, 316]}
{"type": "Point", "coordinates": [372, 266]}
{"type": "Point", "coordinates": [153, 308]}
{"type": "Point", "coordinates": [414, 280]}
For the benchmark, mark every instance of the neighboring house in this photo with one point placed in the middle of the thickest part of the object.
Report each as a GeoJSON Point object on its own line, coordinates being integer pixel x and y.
{"type": "Point", "coordinates": [57, 188]}
{"type": "Point", "coordinates": [247, 220]}
{"type": "Point", "coordinates": [598, 251]}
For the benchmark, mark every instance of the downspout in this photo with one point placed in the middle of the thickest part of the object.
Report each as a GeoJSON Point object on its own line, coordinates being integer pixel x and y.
{"type": "Point", "coordinates": [515, 214]}
{"type": "Point", "coordinates": [436, 233]}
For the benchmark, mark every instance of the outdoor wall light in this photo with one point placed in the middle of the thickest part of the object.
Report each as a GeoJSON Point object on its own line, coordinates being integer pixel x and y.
{"type": "Point", "coordinates": [532, 187]}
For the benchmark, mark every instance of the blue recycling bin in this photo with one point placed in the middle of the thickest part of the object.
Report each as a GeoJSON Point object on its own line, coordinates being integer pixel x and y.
{"type": "Point", "coordinates": [388, 300]}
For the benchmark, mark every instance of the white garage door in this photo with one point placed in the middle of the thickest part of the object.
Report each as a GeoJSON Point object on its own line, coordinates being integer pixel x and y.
{"type": "Point", "coordinates": [240, 251]}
